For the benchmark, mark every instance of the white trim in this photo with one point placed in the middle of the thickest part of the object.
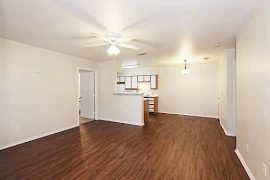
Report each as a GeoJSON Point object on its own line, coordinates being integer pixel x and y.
{"type": "Point", "coordinates": [215, 117]}
{"type": "Point", "coordinates": [37, 137]}
{"type": "Point", "coordinates": [240, 157]}
{"type": "Point", "coordinates": [96, 92]}
{"type": "Point", "coordinates": [226, 133]}
{"type": "Point", "coordinates": [123, 122]}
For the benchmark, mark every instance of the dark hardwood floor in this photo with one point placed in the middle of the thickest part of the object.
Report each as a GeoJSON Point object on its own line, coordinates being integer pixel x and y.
{"type": "Point", "coordinates": [168, 147]}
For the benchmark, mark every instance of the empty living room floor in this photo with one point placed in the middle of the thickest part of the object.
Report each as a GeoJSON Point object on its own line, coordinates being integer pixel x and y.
{"type": "Point", "coordinates": [168, 147]}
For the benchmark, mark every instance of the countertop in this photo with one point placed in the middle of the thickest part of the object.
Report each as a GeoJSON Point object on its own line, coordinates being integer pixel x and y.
{"type": "Point", "coordinates": [127, 93]}
{"type": "Point", "coordinates": [151, 96]}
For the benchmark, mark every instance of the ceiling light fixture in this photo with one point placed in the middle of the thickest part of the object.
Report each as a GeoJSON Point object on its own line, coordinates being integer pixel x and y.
{"type": "Point", "coordinates": [185, 71]}
{"type": "Point", "coordinates": [113, 49]}
{"type": "Point", "coordinates": [129, 66]}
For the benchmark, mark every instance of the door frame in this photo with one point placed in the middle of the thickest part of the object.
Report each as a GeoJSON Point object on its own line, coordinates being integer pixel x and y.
{"type": "Point", "coordinates": [96, 92]}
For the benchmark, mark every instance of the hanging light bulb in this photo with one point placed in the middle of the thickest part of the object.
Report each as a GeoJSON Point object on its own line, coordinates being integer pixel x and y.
{"type": "Point", "coordinates": [113, 49]}
{"type": "Point", "coordinates": [185, 71]}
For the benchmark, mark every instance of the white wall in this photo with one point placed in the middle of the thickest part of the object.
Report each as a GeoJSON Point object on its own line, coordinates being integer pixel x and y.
{"type": "Point", "coordinates": [123, 108]}
{"type": "Point", "coordinates": [38, 102]}
{"type": "Point", "coordinates": [227, 91]}
{"type": "Point", "coordinates": [253, 90]}
{"type": "Point", "coordinates": [194, 94]}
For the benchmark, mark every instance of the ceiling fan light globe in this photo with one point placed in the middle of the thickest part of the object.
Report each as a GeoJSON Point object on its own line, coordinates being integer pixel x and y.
{"type": "Point", "coordinates": [113, 50]}
{"type": "Point", "coordinates": [185, 71]}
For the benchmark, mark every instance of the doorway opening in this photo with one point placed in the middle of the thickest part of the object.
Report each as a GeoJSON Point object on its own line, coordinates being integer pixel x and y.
{"type": "Point", "coordinates": [87, 95]}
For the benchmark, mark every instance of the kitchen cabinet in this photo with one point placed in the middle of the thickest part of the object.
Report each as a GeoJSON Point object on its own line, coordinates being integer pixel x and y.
{"type": "Point", "coordinates": [131, 82]}
{"type": "Point", "coordinates": [153, 104]}
{"type": "Point", "coordinates": [144, 78]}
{"type": "Point", "coordinates": [147, 78]}
{"type": "Point", "coordinates": [128, 84]}
{"type": "Point", "coordinates": [140, 79]}
{"type": "Point", "coordinates": [121, 79]}
{"type": "Point", "coordinates": [146, 111]}
{"type": "Point", "coordinates": [154, 82]}
{"type": "Point", "coordinates": [134, 82]}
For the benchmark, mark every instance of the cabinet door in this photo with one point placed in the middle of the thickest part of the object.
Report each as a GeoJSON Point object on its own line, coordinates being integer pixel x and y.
{"type": "Point", "coordinates": [128, 82]}
{"type": "Point", "coordinates": [118, 79]}
{"type": "Point", "coordinates": [140, 79]}
{"type": "Point", "coordinates": [147, 78]}
{"type": "Point", "coordinates": [153, 83]}
{"type": "Point", "coordinates": [134, 82]}
{"type": "Point", "coordinates": [121, 79]}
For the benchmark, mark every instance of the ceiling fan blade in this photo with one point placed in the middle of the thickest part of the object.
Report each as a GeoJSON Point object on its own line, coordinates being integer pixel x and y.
{"type": "Point", "coordinates": [142, 21]}
{"type": "Point", "coordinates": [75, 37]}
{"type": "Point", "coordinates": [77, 10]}
{"type": "Point", "coordinates": [126, 39]}
{"type": "Point", "coordinates": [94, 45]}
{"type": "Point", "coordinates": [128, 46]}
{"type": "Point", "coordinates": [94, 34]}
{"type": "Point", "coordinates": [149, 43]}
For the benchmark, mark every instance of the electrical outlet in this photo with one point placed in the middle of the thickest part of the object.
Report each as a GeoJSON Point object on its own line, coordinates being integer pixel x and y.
{"type": "Point", "coordinates": [18, 128]}
{"type": "Point", "coordinates": [247, 148]}
{"type": "Point", "coordinates": [264, 169]}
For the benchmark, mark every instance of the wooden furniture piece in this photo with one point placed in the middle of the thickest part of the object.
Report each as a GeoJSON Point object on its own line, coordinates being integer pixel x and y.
{"type": "Point", "coordinates": [146, 111]}
{"type": "Point", "coordinates": [153, 104]}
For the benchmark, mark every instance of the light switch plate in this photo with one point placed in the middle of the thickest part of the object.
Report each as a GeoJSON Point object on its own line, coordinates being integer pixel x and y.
{"type": "Point", "coordinates": [264, 170]}
{"type": "Point", "coordinates": [247, 148]}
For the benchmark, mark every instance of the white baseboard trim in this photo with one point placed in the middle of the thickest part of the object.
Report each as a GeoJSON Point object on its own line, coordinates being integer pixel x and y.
{"type": "Point", "coordinates": [36, 137]}
{"type": "Point", "coordinates": [240, 157]}
{"type": "Point", "coordinates": [215, 117]}
{"type": "Point", "coordinates": [226, 133]}
{"type": "Point", "coordinates": [123, 122]}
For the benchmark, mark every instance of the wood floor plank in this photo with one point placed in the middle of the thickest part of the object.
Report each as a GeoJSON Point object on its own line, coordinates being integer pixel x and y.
{"type": "Point", "coordinates": [167, 147]}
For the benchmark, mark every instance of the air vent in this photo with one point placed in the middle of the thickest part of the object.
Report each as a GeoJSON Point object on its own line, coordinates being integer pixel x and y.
{"type": "Point", "coordinates": [142, 54]}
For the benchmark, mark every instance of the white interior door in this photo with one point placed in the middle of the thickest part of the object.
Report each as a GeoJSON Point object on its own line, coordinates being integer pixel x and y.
{"type": "Point", "coordinates": [218, 96]}
{"type": "Point", "coordinates": [87, 83]}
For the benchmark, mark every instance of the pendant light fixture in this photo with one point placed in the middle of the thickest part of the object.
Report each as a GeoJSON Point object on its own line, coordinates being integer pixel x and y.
{"type": "Point", "coordinates": [113, 49]}
{"type": "Point", "coordinates": [185, 71]}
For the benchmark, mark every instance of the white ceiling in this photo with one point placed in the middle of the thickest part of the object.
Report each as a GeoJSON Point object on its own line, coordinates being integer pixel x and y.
{"type": "Point", "coordinates": [168, 30]}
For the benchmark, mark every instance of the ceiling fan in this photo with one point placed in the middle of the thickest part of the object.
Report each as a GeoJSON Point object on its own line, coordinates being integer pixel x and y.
{"type": "Point", "coordinates": [114, 39]}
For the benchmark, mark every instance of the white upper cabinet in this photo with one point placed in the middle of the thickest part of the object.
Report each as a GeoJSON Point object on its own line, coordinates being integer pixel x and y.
{"type": "Point", "coordinates": [147, 78]}
{"type": "Point", "coordinates": [128, 82]}
{"type": "Point", "coordinates": [134, 82]}
{"type": "Point", "coordinates": [121, 79]}
{"type": "Point", "coordinates": [154, 82]}
{"type": "Point", "coordinates": [140, 79]}
{"type": "Point", "coordinates": [131, 82]}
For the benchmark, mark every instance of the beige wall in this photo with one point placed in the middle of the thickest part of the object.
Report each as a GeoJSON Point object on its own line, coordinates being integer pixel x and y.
{"type": "Point", "coordinates": [194, 94]}
{"type": "Point", "coordinates": [253, 90]}
{"type": "Point", "coordinates": [122, 108]}
{"type": "Point", "coordinates": [39, 102]}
